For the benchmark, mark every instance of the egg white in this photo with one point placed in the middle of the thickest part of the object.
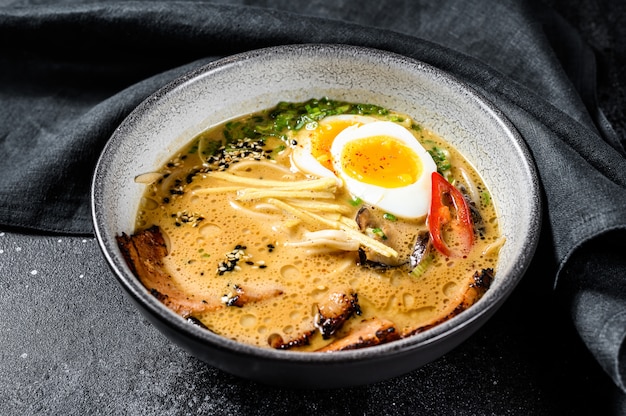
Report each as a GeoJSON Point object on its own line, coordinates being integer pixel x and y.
{"type": "Point", "coordinates": [410, 201]}
{"type": "Point", "coordinates": [302, 158]}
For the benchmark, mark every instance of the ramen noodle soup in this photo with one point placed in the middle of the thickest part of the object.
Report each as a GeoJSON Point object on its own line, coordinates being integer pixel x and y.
{"type": "Point", "coordinates": [316, 226]}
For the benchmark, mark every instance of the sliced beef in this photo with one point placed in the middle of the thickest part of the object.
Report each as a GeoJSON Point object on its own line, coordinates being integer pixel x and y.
{"type": "Point", "coordinates": [478, 285]}
{"type": "Point", "coordinates": [144, 253]}
{"type": "Point", "coordinates": [332, 314]}
{"type": "Point", "coordinates": [368, 333]}
{"type": "Point", "coordinates": [278, 342]}
{"type": "Point", "coordinates": [240, 295]}
{"type": "Point", "coordinates": [335, 311]}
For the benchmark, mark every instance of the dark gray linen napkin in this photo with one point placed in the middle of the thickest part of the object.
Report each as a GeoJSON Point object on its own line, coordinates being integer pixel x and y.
{"type": "Point", "coordinates": [80, 67]}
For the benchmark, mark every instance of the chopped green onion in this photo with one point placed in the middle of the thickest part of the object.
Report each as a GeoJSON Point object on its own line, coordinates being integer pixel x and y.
{"type": "Point", "coordinates": [486, 198]}
{"type": "Point", "coordinates": [423, 265]}
{"type": "Point", "coordinates": [378, 232]}
{"type": "Point", "coordinates": [208, 147]}
{"type": "Point", "coordinates": [389, 217]}
{"type": "Point", "coordinates": [356, 201]}
{"type": "Point", "coordinates": [290, 116]}
{"type": "Point", "coordinates": [440, 156]}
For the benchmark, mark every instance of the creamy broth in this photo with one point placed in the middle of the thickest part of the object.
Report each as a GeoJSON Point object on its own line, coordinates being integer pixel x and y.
{"type": "Point", "coordinates": [220, 237]}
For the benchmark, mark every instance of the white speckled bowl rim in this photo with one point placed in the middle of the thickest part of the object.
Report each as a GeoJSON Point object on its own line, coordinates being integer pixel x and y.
{"type": "Point", "coordinates": [259, 79]}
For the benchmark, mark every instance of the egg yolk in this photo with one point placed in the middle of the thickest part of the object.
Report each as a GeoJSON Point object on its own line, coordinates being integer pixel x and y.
{"type": "Point", "coordinates": [322, 139]}
{"type": "Point", "coordinates": [382, 161]}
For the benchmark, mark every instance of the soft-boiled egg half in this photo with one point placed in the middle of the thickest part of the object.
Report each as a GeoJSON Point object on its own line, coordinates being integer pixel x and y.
{"type": "Point", "coordinates": [380, 162]}
{"type": "Point", "coordinates": [311, 149]}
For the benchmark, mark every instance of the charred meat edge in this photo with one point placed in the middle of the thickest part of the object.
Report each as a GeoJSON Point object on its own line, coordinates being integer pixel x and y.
{"type": "Point", "coordinates": [369, 332]}
{"type": "Point", "coordinates": [378, 331]}
{"type": "Point", "coordinates": [375, 331]}
{"type": "Point", "coordinates": [276, 341]}
{"type": "Point", "coordinates": [332, 314]}
{"type": "Point", "coordinates": [478, 286]}
{"type": "Point", "coordinates": [335, 312]}
{"type": "Point", "coordinates": [144, 252]}
{"type": "Point", "coordinates": [241, 296]}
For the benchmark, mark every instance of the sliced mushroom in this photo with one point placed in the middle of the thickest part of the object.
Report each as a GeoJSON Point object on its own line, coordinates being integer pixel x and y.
{"type": "Point", "coordinates": [421, 249]}
{"type": "Point", "coordinates": [477, 218]}
{"type": "Point", "coordinates": [399, 234]}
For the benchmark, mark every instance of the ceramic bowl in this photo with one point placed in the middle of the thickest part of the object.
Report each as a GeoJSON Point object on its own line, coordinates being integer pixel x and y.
{"type": "Point", "coordinates": [259, 79]}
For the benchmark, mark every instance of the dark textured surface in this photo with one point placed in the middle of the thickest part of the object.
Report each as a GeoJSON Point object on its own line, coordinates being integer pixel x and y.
{"type": "Point", "coordinates": [602, 23]}
{"type": "Point", "coordinates": [62, 352]}
{"type": "Point", "coordinates": [72, 344]}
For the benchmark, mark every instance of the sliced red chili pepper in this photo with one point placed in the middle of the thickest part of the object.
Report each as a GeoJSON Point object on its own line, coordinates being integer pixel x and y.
{"type": "Point", "coordinates": [449, 209]}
